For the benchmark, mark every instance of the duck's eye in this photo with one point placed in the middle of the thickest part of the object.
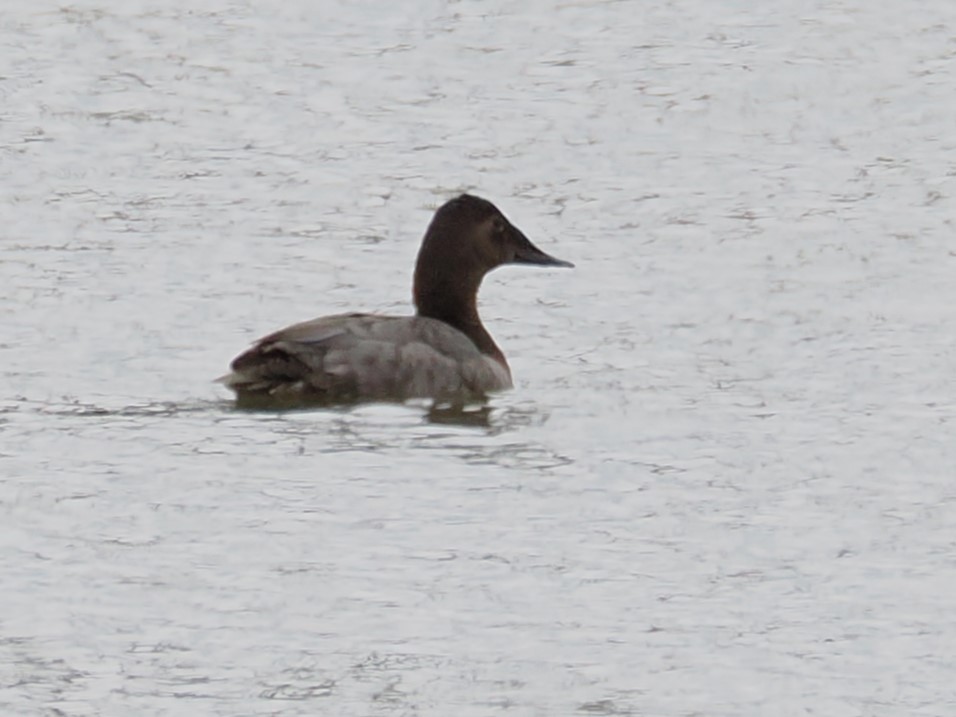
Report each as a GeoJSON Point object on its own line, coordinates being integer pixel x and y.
{"type": "Point", "coordinates": [499, 227]}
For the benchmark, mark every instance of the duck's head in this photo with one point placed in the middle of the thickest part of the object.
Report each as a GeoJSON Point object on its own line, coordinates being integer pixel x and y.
{"type": "Point", "coordinates": [468, 237]}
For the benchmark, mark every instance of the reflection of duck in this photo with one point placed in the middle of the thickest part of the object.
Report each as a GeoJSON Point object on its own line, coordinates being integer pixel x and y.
{"type": "Point", "coordinates": [443, 353]}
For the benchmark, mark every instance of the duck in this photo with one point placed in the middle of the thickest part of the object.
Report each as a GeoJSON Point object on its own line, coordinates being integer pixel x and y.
{"type": "Point", "coordinates": [443, 353]}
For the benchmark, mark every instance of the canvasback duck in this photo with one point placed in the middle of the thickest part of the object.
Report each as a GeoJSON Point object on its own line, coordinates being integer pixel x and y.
{"type": "Point", "coordinates": [442, 353]}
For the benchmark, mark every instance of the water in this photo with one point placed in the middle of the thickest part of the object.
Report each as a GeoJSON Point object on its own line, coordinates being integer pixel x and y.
{"type": "Point", "coordinates": [723, 484]}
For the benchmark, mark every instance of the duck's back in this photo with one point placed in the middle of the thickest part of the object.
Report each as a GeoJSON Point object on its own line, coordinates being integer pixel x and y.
{"type": "Point", "coordinates": [365, 357]}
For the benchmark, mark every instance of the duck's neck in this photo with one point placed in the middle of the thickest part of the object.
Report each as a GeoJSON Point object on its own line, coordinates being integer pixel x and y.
{"type": "Point", "coordinates": [457, 306]}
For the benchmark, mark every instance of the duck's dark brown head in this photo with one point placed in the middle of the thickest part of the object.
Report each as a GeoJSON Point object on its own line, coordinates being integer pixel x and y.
{"type": "Point", "coordinates": [468, 237]}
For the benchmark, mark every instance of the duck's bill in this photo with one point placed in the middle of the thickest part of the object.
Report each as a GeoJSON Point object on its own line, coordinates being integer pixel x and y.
{"type": "Point", "coordinates": [528, 253]}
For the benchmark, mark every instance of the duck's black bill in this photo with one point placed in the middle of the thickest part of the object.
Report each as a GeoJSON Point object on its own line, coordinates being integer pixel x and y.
{"type": "Point", "coordinates": [528, 253]}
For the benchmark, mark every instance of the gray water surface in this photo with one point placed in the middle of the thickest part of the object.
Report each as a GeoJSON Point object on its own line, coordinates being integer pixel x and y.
{"type": "Point", "coordinates": [724, 483]}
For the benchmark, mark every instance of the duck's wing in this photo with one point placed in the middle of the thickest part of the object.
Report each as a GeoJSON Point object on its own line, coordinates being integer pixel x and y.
{"type": "Point", "coordinates": [351, 357]}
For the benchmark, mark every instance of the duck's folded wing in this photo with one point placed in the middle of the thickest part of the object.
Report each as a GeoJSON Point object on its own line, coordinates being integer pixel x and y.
{"type": "Point", "coordinates": [364, 356]}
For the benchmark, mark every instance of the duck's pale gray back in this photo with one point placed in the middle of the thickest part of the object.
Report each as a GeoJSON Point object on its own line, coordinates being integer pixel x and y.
{"type": "Point", "coordinates": [364, 356]}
